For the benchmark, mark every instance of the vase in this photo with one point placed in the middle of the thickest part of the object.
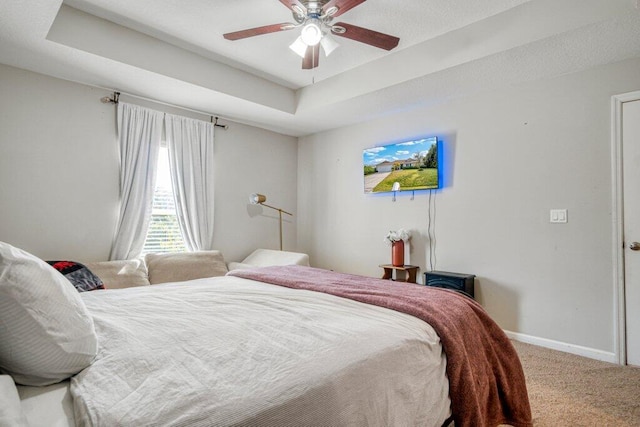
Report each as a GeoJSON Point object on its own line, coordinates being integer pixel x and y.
{"type": "Point", "coordinates": [397, 253]}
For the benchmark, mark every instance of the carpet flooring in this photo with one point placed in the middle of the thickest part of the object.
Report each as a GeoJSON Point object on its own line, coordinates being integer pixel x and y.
{"type": "Point", "coordinates": [569, 390]}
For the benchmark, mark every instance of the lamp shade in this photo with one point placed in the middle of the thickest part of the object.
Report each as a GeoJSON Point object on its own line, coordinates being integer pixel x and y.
{"type": "Point", "coordinates": [299, 47]}
{"type": "Point", "coordinates": [256, 198]}
{"type": "Point", "coordinates": [328, 45]}
{"type": "Point", "coordinates": [311, 33]}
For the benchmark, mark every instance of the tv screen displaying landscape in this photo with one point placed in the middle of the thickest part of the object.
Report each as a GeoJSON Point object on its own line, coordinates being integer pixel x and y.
{"type": "Point", "coordinates": [412, 164]}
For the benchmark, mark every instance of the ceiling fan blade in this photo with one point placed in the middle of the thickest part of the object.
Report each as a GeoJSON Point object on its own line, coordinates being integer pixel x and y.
{"type": "Point", "coordinates": [342, 5]}
{"type": "Point", "coordinates": [311, 57]}
{"type": "Point", "coordinates": [258, 31]}
{"type": "Point", "coordinates": [291, 3]}
{"type": "Point", "coordinates": [364, 35]}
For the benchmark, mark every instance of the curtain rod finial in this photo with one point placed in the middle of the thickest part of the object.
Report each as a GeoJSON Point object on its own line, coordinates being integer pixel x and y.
{"type": "Point", "coordinates": [215, 123]}
{"type": "Point", "coordinates": [113, 100]}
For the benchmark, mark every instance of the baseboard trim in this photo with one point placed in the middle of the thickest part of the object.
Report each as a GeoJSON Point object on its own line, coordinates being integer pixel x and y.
{"type": "Point", "coordinates": [579, 350]}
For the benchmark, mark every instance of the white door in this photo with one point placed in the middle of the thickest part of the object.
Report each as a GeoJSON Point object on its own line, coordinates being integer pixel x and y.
{"type": "Point", "coordinates": [631, 210]}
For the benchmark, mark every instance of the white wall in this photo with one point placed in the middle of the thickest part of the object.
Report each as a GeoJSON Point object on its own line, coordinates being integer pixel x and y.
{"type": "Point", "coordinates": [509, 157]}
{"type": "Point", "coordinates": [252, 160]}
{"type": "Point", "coordinates": [59, 173]}
{"type": "Point", "coordinates": [58, 167]}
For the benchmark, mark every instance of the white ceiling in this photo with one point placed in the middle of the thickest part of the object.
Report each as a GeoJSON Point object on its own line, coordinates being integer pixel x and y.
{"type": "Point", "coordinates": [173, 51]}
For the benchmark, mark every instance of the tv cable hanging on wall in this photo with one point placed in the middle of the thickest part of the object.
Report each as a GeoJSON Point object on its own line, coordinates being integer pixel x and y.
{"type": "Point", "coordinates": [431, 230]}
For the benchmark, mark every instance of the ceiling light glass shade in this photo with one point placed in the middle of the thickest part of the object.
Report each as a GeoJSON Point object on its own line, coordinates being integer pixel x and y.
{"type": "Point", "coordinates": [299, 47]}
{"type": "Point", "coordinates": [328, 45]}
{"type": "Point", "coordinates": [311, 33]}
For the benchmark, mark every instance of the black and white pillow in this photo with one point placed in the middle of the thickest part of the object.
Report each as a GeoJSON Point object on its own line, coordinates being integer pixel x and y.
{"type": "Point", "coordinates": [79, 275]}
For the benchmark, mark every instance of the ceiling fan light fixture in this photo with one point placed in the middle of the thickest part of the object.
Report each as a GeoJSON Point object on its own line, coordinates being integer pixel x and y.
{"type": "Point", "coordinates": [297, 10]}
{"type": "Point", "coordinates": [299, 47]}
{"type": "Point", "coordinates": [331, 11]}
{"type": "Point", "coordinates": [311, 33]}
{"type": "Point", "coordinates": [329, 45]}
{"type": "Point", "coordinates": [338, 29]}
{"type": "Point", "coordinates": [314, 20]}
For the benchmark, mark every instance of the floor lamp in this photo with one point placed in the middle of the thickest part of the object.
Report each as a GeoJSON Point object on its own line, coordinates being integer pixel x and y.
{"type": "Point", "coordinates": [260, 199]}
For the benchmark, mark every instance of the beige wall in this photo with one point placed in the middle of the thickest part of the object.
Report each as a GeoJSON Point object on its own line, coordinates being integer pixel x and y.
{"type": "Point", "coordinates": [509, 157]}
{"type": "Point", "coordinates": [59, 173]}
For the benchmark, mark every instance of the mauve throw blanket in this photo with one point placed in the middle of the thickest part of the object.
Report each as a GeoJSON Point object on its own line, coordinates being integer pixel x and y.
{"type": "Point", "coordinates": [486, 381]}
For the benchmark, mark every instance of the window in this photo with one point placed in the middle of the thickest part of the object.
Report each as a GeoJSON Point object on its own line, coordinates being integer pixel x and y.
{"type": "Point", "coordinates": [164, 233]}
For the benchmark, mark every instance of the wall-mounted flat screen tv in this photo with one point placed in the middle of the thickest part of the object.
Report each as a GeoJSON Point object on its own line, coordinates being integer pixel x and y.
{"type": "Point", "coordinates": [402, 166]}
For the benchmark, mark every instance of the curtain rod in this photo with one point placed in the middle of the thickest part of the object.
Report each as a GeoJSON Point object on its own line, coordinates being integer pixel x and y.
{"type": "Point", "coordinates": [115, 98]}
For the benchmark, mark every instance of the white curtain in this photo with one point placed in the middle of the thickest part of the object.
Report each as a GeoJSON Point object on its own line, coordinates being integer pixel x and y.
{"type": "Point", "coordinates": [190, 145]}
{"type": "Point", "coordinates": [139, 135]}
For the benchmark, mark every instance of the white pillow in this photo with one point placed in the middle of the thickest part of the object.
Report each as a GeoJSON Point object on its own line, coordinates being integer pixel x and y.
{"type": "Point", "coordinates": [11, 413]}
{"type": "Point", "coordinates": [46, 333]}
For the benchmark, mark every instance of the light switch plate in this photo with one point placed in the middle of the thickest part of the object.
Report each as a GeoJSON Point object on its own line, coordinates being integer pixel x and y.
{"type": "Point", "coordinates": [558, 216]}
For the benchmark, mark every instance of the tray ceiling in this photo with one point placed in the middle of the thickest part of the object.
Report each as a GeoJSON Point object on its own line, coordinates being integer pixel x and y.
{"type": "Point", "coordinates": [174, 52]}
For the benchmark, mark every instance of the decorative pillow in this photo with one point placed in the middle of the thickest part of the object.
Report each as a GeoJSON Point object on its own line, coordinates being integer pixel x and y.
{"type": "Point", "coordinates": [78, 274]}
{"type": "Point", "coordinates": [46, 333]}
{"type": "Point", "coordinates": [120, 274]}
{"type": "Point", "coordinates": [181, 266]}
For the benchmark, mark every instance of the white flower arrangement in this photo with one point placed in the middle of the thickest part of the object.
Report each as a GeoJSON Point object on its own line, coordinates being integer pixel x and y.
{"type": "Point", "coordinates": [396, 236]}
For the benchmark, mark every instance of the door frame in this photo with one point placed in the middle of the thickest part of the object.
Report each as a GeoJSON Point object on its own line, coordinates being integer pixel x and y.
{"type": "Point", "coordinates": [619, 312]}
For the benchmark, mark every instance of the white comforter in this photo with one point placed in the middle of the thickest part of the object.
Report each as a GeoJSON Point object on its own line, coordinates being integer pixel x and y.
{"type": "Point", "coordinates": [228, 351]}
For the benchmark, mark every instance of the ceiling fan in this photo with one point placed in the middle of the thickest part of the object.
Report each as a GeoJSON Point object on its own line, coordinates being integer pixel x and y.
{"type": "Point", "coordinates": [315, 18]}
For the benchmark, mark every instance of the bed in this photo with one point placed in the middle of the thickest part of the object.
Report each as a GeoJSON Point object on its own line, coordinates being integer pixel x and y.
{"type": "Point", "coordinates": [240, 351]}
